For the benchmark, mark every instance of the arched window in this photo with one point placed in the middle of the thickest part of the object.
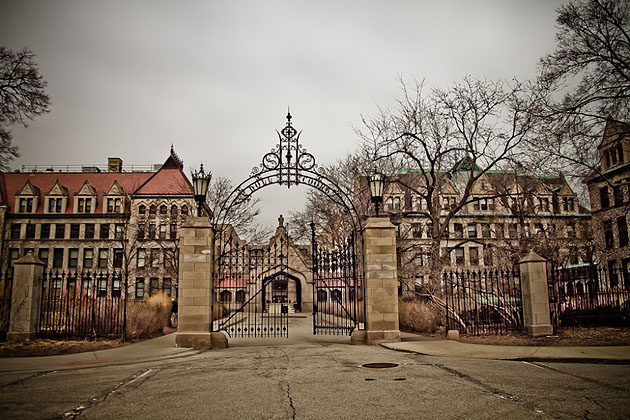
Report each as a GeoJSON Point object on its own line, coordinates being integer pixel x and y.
{"type": "Point", "coordinates": [173, 211]}
{"type": "Point", "coordinates": [240, 296]}
{"type": "Point", "coordinates": [184, 210]}
{"type": "Point", "coordinates": [322, 296]}
{"type": "Point", "coordinates": [152, 210]}
{"type": "Point", "coordinates": [225, 296]}
{"type": "Point", "coordinates": [142, 210]}
{"type": "Point", "coordinates": [162, 210]}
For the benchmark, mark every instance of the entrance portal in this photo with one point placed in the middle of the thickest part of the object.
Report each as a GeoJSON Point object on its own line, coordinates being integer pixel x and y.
{"type": "Point", "coordinates": [285, 289]}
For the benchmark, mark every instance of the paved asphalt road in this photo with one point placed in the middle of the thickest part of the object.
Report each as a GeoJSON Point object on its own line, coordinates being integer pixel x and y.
{"type": "Point", "coordinates": [310, 377]}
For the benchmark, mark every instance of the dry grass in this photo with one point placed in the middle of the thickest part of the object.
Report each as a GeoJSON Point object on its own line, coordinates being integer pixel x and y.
{"type": "Point", "coordinates": [419, 316]}
{"type": "Point", "coordinates": [147, 318]}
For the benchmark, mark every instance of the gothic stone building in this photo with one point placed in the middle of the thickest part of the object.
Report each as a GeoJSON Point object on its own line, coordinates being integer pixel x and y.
{"type": "Point", "coordinates": [99, 220]}
{"type": "Point", "coordinates": [609, 190]}
{"type": "Point", "coordinates": [507, 215]}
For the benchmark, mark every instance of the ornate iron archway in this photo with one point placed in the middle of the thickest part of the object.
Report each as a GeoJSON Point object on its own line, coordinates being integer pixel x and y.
{"type": "Point", "coordinates": [289, 164]}
{"type": "Point", "coordinates": [238, 269]}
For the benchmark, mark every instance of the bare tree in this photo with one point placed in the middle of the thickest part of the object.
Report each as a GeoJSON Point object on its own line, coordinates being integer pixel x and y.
{"type": "Point", "coordinates": [240, 215]}
{"type": "Point", "coordinates": [584, 83]}
{"type": "Point", "coordinates": [451, 138]}
{"type": "Point", "coordinates": [22, 97]}
{"type": "Point", "coordinates": [333, 221]}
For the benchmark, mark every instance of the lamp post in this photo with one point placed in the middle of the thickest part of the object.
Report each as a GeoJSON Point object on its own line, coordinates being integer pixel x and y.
{"type": "Point", "coordinates": [201, 182]}
{"type": "Point", "coordinates": [376, 182]}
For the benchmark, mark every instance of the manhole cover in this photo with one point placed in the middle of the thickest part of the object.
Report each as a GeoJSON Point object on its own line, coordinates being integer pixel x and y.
{"type": "Point", "coordinates": [380, 365]}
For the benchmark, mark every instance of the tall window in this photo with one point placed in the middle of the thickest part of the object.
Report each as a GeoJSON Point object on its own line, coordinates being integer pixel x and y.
{"type": "Point", "coordinates": [163, 210]}
{"type": "Point", "coordinates": [103, 255]}
{"type": "Point", "coordinates": [43, 256]}
{"type": "Point", "coordinates": [74, 230]}
{"type": "Point", "coordinates": [104, 233]}
{"type": "Point", "coordinates": [119, 232]}
{"type": "Point", "coordinates": [173, 211]}
{"type": "Point", "coordinates": [16, 230]}
{"type": "Point", "coordinates": [142, 209]}
{"type": "Point", "coordinates": [60, 231]}
{"type": "Point", "coordinates": [459, 256]}
{"type": "Point", "coordinates": [88, 258]}
{"type": "Point", "coordinates": [184, 210]}
{"type": "Point", "coordinates": [118, 258]}
{"type": "Point", "coordinates": [14, 254]}
{"type": "Point", "coordinates": [152, 210]}
{"type": "Point", "coordinates": [58, 258]}
{"type": "Point", "coordinates": [141, 231]}
{"type": "Point", "coordinates": [473, 255]}
{"type": "Point", "coordinates": [416, 230]}
{"type": "Point", "coordinates": [604, 200]}
{"type": "Point", "coordinates": [89, 231]}
{"type": "Point", "coordinates": [30, 231]}
{"type": "Point", "coordinates": [472, 230]}
{"type": "Point", "coordinates": [155, 257]}
{"type": "Point", "coordinates": [73, 258]}
{"type": "Point", "coordinates": [141, 258]}
{"type": "Point", "coordinates": [45, 231]}
{"type": "Point", "coordinates": [153, 286]}
{"type": "Point", "coordinates": [458, 230]}
{"type": "Point", "coordinates": [173, 231]}
{"type": "Point", "coordinates": [513, 230]}
{"type": "Point", "coordinates": [139, 287]}
{"type": "Point", "coordinates": [162, 231]}
{"type": "Point", "coordinates": [485, 230]}
{"type": "Point", "coordinates": [167, 286]}
{"type": "Point", "coordinates": [622, 227]}
{"type": "Point", "coordinates": [151, 230]}
{"type": "Point", "coordinates": [608, 234]}
{"type": "Point", "coordinates": [618, 195]}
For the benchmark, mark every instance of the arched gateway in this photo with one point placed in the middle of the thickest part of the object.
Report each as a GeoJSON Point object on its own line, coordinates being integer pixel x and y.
{"type": "Point", "coordinates": [257, 287]}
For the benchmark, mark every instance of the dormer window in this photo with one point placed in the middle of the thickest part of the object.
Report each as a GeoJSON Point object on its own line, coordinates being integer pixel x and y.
{"type": "Point", "coordinates": [142, 209]}
{"type": "Point", "coordinates": [55, 204]}
{"type": "Point", "coordinates": [152, 210]}
{"type": "Point", "coordinates": [26, 205]}
{"type": "Point", "coordinates": [114, 205]}
{"type": "Point", "coordinates": [84, 205]}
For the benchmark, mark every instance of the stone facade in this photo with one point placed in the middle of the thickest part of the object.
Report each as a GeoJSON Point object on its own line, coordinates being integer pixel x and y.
{"type": "Point", "coordinates": [507, 215]}
{"type": "Point", "coordinates": [99, 220]}
{"type": "Point", "coordinates": [609, 191]}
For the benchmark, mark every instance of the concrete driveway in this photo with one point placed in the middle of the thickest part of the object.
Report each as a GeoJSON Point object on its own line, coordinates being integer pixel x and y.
{"type": "Point", "coordinates": [308, 377]}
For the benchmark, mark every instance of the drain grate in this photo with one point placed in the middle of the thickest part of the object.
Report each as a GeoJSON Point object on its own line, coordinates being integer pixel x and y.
{"type": "Point", "coordinates": [380, 365]}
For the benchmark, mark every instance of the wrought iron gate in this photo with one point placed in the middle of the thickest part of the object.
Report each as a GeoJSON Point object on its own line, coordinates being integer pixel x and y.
{"type": "Point", "coordinates": [248, 299]}
{"type": "Point", "coordinates": [338, 304]}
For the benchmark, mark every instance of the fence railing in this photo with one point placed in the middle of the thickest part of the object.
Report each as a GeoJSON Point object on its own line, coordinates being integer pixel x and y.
{"type": "Point", "coordinates": [483, 301]}
{"type": "Point", "coordinates": [86, 304]}
{"type": "Point", "coordinates": [6, 288]}
{"type": "Point", "coordinates": [589, 296]}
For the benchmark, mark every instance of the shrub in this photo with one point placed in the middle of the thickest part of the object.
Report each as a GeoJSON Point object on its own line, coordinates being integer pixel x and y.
{"type": "Point", "coordinates": [146, 318]}
{"type": "Point", "coordinates": [419, 316]}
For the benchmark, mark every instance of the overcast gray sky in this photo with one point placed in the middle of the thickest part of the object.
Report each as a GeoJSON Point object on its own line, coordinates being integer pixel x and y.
{"type": "Point", "coordinates": [214, 78]}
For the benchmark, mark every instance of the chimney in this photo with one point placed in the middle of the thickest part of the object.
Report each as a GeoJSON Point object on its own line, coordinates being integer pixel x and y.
{"type": "Point", "coordinates": [114, 165]}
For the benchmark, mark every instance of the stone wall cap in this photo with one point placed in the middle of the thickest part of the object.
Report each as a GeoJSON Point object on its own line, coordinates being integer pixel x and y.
{"type": "Point", "coordinates": [379, 223]}
{"type": "Point", "coordinates": [531, 257]}
{"type": "Point", "coordinates": [197, 222]}
{"type": "Point", "coordinates": [29, 259]}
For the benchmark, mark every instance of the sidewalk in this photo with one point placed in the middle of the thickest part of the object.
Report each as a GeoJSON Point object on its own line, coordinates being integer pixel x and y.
{"type": "Point", "coordinates": [148, 350]}
{"type": "Point", "coordinates": [450, 348]}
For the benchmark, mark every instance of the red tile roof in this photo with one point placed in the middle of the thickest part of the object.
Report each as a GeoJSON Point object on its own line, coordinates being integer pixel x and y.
{"type": "Point", "coordinates": [166, 181]}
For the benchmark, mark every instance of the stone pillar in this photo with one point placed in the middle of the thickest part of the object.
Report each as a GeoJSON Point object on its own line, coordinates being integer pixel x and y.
{"type": "Point", "coordinates": [381, 283]}
{"type": "Point", "coordinates": [195, 285]}
{"type": "Point", "coordinates": [26, 299]}
{"type": "Point", "coordinates": [535, 295]}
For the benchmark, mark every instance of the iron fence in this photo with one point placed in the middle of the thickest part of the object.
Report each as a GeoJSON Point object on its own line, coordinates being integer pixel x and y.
{"type": "Point", "coordinates": [589, 296]}
{"type": "Point", "coordinates": [6, 288]}
{"type": "Point", "coordinates": [483, 301]}
{"type": "Point", "coordinates": [81, 305]}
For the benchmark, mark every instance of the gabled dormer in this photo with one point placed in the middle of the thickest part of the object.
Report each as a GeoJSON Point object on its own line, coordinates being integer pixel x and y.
{"type": "Point", "coordinates": [614, 148]}
{"type": "Point", "coordinates": [27, 199]}
{"type": "Point", "coordinates": [56, 200]}
{"type": "Point", "coordinates": [114, 199]}
{"type": "Point", "coordinates": [85, 199]}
